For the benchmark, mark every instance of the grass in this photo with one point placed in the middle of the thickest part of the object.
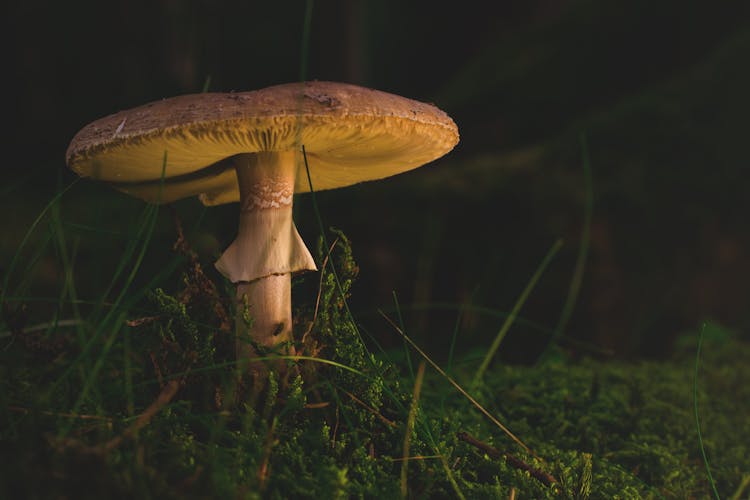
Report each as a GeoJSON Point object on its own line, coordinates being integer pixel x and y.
{"type": "Point", "coordinates": [583, 248]}
{"type": "Point", "coordinates": [697, 418]}
{"type": "Point", "coordinates": [136, 394]}
{"type": "Point", "coordinates": [514, 313]}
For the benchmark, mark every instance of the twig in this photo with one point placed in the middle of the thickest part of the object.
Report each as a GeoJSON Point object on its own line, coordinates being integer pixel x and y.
{"type": "Point", "coordinates": [20, 409]}
{"type": "Point", "coordinates": [459, 388]}
{"type": "Point", "coordinates": [44, 326]}
{"type": "Point", "coordinates": [315, 406]}
{"type": "Point", "coordinates": [390, 423]}
{"type": "Point", "coordinates": [165, 396]}
{"type": "Point", "coordinates": [157, 369]}
{"type": "Point", "coordinates": [492, 452]}
{"type": "Point", "coordinates": [414, 457]}
{"type": "Point", "coordinates": [141, 321]}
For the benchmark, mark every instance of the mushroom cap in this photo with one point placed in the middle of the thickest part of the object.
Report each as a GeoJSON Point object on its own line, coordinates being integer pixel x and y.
{"type": "Point", "coordinates": [182, 146]}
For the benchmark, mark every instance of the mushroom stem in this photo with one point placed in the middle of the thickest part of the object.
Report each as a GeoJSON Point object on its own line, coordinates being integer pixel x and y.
{"type": "Point", "coordinates": [269, 304]}
{"type": "Point", "coordinates": [267, 250]}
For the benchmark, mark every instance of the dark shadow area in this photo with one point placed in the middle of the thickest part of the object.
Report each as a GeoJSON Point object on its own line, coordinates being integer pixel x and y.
{"type": "Point", "coordinates": [659, 89]}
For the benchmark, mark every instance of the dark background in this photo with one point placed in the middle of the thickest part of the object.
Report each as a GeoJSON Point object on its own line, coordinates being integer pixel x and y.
{"type": "Point", "coordinates": [660, 90]}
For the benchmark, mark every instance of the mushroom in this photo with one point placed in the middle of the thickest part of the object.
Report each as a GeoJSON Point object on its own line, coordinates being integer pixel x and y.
{"type": "Point", "coordinates": [246, 147]}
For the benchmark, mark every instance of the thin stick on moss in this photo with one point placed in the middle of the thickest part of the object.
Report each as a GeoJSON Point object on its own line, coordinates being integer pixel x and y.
{"type": "Point", "coordinates": [40, 327]}
{"type": "Point", "coordinates": [410, 427]}
{"type": "Point", "coordinates": [416, 457]}
{"type": "Point", "coordinates": [166, 395]}
{"type": "Point", "coordinates": [144, 320]}
{"type": "Point", "coordinates": [512, 460]}
{"type": "Point", "coordinates": [389, 423]}
{"type": "Point", "coordinates": [317, 406]}
{"type": "Point", "coordinates": [79, 416]}
{"type": "Point", "coordinates": [460, 389]}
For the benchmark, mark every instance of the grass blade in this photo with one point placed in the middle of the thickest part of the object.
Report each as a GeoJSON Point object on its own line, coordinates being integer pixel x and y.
{"type": "Point", "coordinates": [331, 267]}
{"type": "Point", "coordinates": [583, 251]}
{"type": "Point", "coordinates": [697, 420]}
{"type": "Point", "coordinates": [25, 239]}
{"type": "Point", "coordinates": [407, 354]}
{"type": "Point", "coordinates": [410, 428]}
{"type": "Point", "coordinates": [514, 312]}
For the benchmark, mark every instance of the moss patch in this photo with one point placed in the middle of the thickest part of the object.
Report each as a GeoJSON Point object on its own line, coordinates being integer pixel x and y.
{"type": "Point", "coordinates": [167, 415]}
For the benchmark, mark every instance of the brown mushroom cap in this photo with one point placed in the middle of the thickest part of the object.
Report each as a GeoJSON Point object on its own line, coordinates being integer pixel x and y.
{"type": "Point", "coordinates": [351, 134]}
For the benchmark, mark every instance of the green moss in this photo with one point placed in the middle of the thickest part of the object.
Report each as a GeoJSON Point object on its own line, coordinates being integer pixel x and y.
{"type": "Point", "coordinates": [603, 429]}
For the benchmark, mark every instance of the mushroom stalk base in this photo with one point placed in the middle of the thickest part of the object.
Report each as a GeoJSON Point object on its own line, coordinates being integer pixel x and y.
{"type": "Point", "coordinates": [264, 315]}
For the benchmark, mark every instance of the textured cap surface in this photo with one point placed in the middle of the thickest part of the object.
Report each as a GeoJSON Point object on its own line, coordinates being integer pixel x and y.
{"type": "Point", "coordinates": [351, 134]}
